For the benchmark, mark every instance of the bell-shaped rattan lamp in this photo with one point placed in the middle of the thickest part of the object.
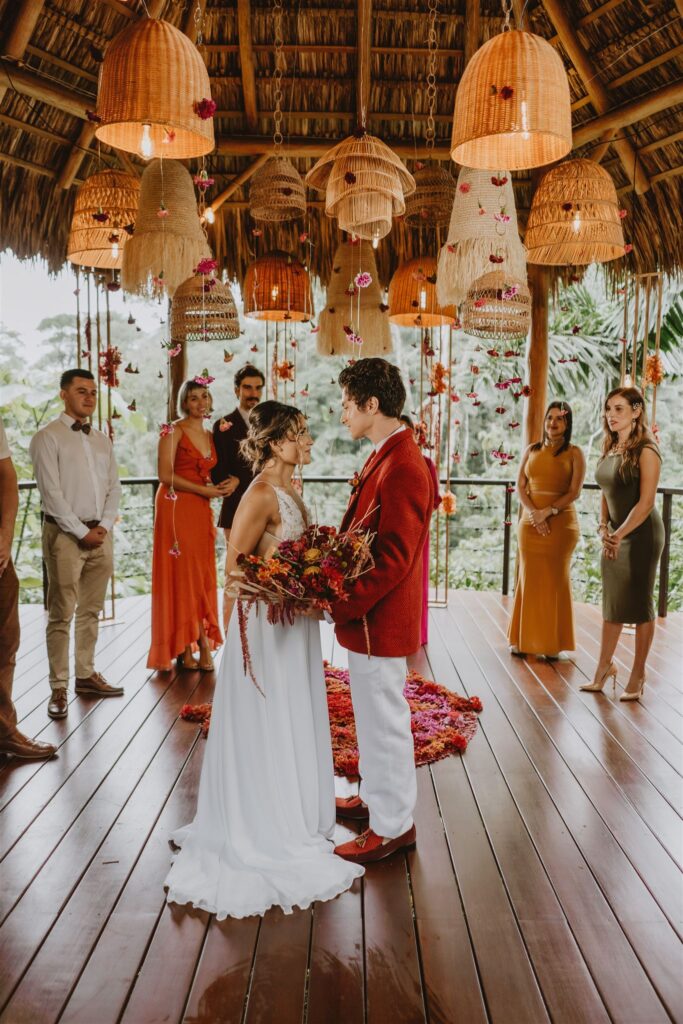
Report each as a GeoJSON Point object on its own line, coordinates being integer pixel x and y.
{"type": "Point", "coordinates": [168, 242]}
{"type": "Point", "coordinates": [203, 309]}
{"type": "Point", "coordinates": [277, 288]}
{"type": "Point", "coordinates": [512, 107]}
{"type": "Point", "coordinates": [277, 192]}
{"type": "Point", "coordinates": [431, 203]}
{"type": "Point", "coordinates": [497, 308]}
{"type": "Point", "coordinates": [482, 235]}
{"type": "Point", "coordinates": [347, 305]}
{"type": "Point", "coordinates": [574, 217]}
{"type": "Point", "coordinates": [103, 219]}
{"type": "Point", "coordinates": [412, 296]}
{"type": "Point", "coordinates": [154, 94]}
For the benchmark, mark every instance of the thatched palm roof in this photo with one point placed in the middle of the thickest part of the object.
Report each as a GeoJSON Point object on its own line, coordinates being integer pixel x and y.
{"type": "Point", "coordinates": [624, 59]}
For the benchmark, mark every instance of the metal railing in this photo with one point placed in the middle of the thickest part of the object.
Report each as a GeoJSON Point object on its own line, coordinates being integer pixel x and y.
{"type": "Point", "coordinates": [137, 519]}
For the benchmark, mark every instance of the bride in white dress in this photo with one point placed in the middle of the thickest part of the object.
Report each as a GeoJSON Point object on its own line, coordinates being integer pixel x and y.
{"type": "Point", "coordinates": [262, 835]}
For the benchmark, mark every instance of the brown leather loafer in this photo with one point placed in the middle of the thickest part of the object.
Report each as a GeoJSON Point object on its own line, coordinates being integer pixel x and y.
{"type": "Point", "coordinates": [369, 847]}
{"type": "Point", "coordinates": [351, 807]}
{"type": "Point", "coordinates": [58, 706]}
{"type": "Point", "coordinates": [22, 747]}
{"type": "Point", "coordinates": [96, 685]}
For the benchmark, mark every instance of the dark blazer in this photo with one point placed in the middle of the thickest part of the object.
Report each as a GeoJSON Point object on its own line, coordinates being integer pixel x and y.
{"type": "Point", "coordinates": [394, 499]}
{"type": "Point", "coordinates": [230, 462]}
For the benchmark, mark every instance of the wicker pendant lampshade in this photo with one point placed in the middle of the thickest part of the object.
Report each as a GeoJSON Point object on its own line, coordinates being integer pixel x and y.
{"type": "Point", "coordinates": [168, 242]}
{"type": "Point", "coordinates": [154, 95]}
{"type": "Point", "coordinates": [483, 231]}
{"type": "Point", "coordinates": [365, 185]}
{"type": "Point", "coordinates": [203, 309]}
{"type": "Point", "coordinates": [432, 201]}
{"type": "Point", "coordinates": [498, 308]}
{"type": "Point", "coordinates": [512, 107]}
{"type": "Point", "coordinates": [364, 310]}
{"type": "Point", "coordinates": [104, 215]}
{"type": "Point", "coordinates": [574, 216]}
{"type": "Point", "coordinates": [277, 192]}
{"type": "Point", "coordinates": [277, 288]}
{"type": "Point", "coordinates": [412, 296]}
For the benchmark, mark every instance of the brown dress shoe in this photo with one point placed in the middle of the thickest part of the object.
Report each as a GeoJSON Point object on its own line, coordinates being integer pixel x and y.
{"type": "Point", "coordinates": [369, 847]}
{"type": "Point", "coordinates": [97, 686]}
{"type": "Point", "coordinates": [20, 746]}
{"type": "Point", "coordinates": [57, 705]}
{"type": "Point", "coordinates": [351, 807]}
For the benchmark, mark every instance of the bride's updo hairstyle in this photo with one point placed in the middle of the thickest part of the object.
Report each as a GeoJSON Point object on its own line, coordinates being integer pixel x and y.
{"type": "Point", "coordinates": [270, 423]}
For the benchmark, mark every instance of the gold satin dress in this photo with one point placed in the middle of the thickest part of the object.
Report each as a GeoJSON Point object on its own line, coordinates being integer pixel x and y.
{"type": "Point", "coordinates": [542, 619]}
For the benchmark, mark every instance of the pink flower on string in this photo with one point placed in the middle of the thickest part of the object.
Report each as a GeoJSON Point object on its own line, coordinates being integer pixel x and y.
{"type": "Point", "coordinates": [203, 181]}
{"type": "Point", "coordinates": [478, 303]}
{"type": "Point", "coordinates": [499, 182]}
{"type": "Point", "coordinates": [363, 280]}
{"type": "Point", "coordinates": [162, 211]}
{"type": "Point", "coordinates": [256, 232]}
{"type": "Point", "coordinates": [314, 330]}
{"type": "Point", "coordinates": [510, 291]}
{"type": "Point", "coordinates": [502, 217]}
{"type": "Point", "coordinates": [506, 93]}
{"type": "Point", "coordinates": [303, 236]}
{"type": "Point", "coordinates": [204, 379]}
{"type": "Point", "coordinates": [175, 550]}
{"type": "Point", "coordinates": [165, 429]}
{"type": "Point", "coordinates": [171, 495]}
{"type": "Point", "coordinates": [205, 108]}
{"type": "Point", "coordinates": [175, 351]}
{"type": "Point", "coordinates": [206, 266]}
{"type": "Point", "coordinates": [623, 214]}
{"type": "Point", "coordinates": [465, 187]}
{"type": "Point", "coordinates": [351, 290]}
{"type": "Point", "coordinates": [628, 248]}
{"type": "Point", "coordinates": [451, 247]}
{"type": "Point", "coordinates": [355, 339]}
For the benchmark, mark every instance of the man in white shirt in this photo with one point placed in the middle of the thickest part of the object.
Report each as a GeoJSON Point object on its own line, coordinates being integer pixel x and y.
{"type": "Point", "coordinates": [78, 480]}
{"type": "Point", "coordinates": [12, 742]}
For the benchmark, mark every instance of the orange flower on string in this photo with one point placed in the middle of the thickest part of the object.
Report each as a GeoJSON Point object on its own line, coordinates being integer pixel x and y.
{"type": "Point", "coordinates": [284, 370]}
{"type": "Point", "coordinates": [654, 371]}
{"type": "Point", "coordinates": [439, 378]}
{"type": "Point", "coordinates": [449, 503]}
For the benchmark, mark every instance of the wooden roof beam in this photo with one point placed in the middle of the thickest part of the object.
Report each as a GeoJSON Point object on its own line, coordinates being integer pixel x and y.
{"type": "Point", "coordinates": [587, 71]}
{"type": "Point", "coordinates": [255, 145]}
{"type": "Point", "coordinates": [247, 65]}
{"type": "Point", "coordinates": [41, 89]}
{"type": "Point", "coordinates": [364, 53]}
{"type": "Point", "coordinates": [238, 181]}
{"type": "Point", "coordinates": [667, 140]}
{"type": "Point", "coordinates": [472, 28]}
{"type": "Point", "coordinates": [19, 36]}
{"type": "Point", "coordinates": [628, 113]}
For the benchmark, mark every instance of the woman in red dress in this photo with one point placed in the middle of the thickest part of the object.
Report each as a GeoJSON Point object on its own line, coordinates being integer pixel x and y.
{"type": "Point", "coordinates": [184, 591]}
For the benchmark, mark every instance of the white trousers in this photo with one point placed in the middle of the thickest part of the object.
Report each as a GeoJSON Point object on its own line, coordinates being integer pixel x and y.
{"type": "Point", "coordinates": [385, 742]}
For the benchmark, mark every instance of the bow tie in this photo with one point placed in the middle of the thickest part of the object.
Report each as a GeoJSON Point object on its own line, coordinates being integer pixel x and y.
{"type": "Point", "coordinates": [85, 427]}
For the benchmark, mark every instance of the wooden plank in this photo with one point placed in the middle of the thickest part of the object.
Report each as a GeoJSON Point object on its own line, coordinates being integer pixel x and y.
{"type": "Point", "coordinates": [472, 29]}
{"type": "Point", "coordinates": [76, 156]}
{"type": "Point", "coordinates": [280, 968]}
{"type": "Point", "coordinates": [46, 91]}
{"type": "Point", "coordinates": [666, 140]}
{"type": "Point", "coordinates": [363, 58]}
{"type": "Point", "coordinates": [23, 27]}
{"type": "Point", "coordinates": [247, 64]}
{"type": "Point", "coordinates": [221, 983]}
{"type": "Point", "coordinates": [628, 113]}
{"type": "Point", "coordinates": [335, 985]}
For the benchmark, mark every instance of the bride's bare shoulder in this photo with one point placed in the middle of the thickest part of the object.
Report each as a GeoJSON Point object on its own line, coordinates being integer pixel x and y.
{"type": "Point", "coordinates": [260, 495]}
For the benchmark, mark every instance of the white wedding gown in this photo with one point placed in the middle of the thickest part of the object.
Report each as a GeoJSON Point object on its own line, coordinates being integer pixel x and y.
{"type": "Point", "coordinates": [265, 814]}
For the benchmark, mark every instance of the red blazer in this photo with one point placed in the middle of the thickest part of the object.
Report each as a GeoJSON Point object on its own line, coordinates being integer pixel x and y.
{"type": "Point", "coordinates": [394, 499]}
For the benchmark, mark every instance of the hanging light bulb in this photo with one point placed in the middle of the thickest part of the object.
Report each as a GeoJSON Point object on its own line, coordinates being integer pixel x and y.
{"type": "Point", "coordinates": [524, 115]}
{"type": "Point", "coordinates": [375, 241]}
{"type": "Point", "coordinates": [576, 222]}
{"type": "Point", "coordinates": [423, 298]}
{"type": "Point", "coordinates": [209, 215]}
{"type": "Point", "coordinates": [146, 145]}
{"type": "Point", "coordinates": [274, 293]}
{"type": "Point", "coordinates": [628, 383]}
{"type": "Point", "coordinates": [115, 247]}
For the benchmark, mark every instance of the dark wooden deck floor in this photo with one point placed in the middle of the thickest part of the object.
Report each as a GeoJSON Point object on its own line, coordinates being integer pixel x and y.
{"type": "Point", "coordinates": [545, 885]}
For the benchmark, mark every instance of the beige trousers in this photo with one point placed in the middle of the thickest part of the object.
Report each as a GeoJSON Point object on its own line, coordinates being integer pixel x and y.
{"type": "Point", "coordinates": [77, 582]}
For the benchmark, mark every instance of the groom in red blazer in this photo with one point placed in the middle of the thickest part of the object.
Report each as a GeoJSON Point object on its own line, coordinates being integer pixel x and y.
{"type": "Point", "coordinates": [379, 624]}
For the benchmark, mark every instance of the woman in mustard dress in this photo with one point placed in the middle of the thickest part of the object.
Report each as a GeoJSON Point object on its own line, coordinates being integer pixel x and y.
{"type": "Point", "coordinates": [549, 482]}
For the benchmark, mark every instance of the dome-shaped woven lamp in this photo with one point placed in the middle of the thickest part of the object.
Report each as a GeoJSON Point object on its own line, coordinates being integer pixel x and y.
{"type": "Point", "coordinates": [166, 248]}
{"type": "Point", "coordinates": [104, 214]}
{"type": "Point", "coordinates": [497, 307]}
{"type": "Point", "coordinates": [574, 216]}
{"type": "Point", "coordinates": [277, 192]}
{"type": "Point", "coordinates": [412, 296]}
{"type": "Point", "coordinates": [151, 93]}
{"type": "Point", "coordinates": [479, 233]}
{"type": "Point", "coordinates": [365, 310]}
{"type": "Point", "coordinates": [432, 201]}
{"type": "Point", "coordinates": [203, 309]}
{"type": "Point", "coordinates": [277, 287]}
{"type": "Point", "coordinates": [512, 107]}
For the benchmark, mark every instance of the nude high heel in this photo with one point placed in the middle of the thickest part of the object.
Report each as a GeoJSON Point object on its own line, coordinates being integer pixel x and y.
{"type": "Point", "coordinates": [635, 694]}
{"type": "Point", "coordinates": [600, 685]}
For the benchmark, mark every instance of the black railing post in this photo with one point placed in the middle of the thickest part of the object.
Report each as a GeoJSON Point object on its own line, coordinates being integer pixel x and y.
{"type": "Point", "coordinates": [506, 538]}
{"type": "Point", "coordinates": [666, 553]}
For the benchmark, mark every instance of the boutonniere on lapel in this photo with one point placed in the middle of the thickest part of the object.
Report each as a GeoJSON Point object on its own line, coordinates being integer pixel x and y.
{"type": "Point", "coordinates": [224, 425]}
{"type": "Point", "coordinates": [354, 482]}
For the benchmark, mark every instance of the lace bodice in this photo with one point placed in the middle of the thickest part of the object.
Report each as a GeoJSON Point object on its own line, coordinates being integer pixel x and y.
{"type": "Point", "coordinates": [293, 521]}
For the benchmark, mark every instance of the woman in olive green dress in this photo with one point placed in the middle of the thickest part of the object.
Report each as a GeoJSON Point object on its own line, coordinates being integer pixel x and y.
{"type": "Point", "coordinates": [632, 534]}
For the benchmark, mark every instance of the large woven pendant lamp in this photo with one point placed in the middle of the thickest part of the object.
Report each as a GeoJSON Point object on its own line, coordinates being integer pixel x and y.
{"type": "Point", "coordinates": [432, 201]}
{"type": "Point", "coordinates": [277, 192]}
{"type": "Point", "coordinates": [277, 288]}
{"type": "Point", "coordinates": [482, 236]}
{"type": "Point", "coordinates": [512, 107]}
{"type": "Point", "coordinates": [168, 242]}
{"type": "Point", "coordinates": [203, 309]}
{"type": "Point", "coordinates": [154, 94]}
{"type": "Point", "coordinates": [103, 219]}
{"type": "Point", "coordinates": [574, 217]}
{"type": "Point", "coordinates": [497, 308]}
{"type": "Point", "coordinates": [412, 296]}
{"type": "Point", "coordinates": [349, 306]}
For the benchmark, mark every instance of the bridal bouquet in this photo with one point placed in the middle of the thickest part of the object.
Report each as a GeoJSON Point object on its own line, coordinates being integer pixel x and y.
{"type": "Point", "coordinates": [300, 575]}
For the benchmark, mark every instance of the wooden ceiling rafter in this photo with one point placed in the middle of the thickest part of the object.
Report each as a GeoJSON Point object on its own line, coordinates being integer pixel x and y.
{"type": "Point", "coordinates": [628, 113]}
{"type": "Point", "coordinates": [238, 181]}
{"type": "Point", "coordinates": [363, 60]}
{"type": "Point", "coordinates": [472, 28]}
{"type": "Point", "coordinates": [19, 36]}
{"type": "Point", "coordinates": [247, 64]}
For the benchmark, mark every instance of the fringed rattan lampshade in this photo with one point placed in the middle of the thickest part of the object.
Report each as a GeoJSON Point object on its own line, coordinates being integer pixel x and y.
{"type": "Point", "coordinates": [365, 185]}
{"type": "Point", "coordinates": [498, 308]}
{"type": "Point", "coordinates": [479, 234]}
{"type": "Point", "coordinates": [103, 219]}
{"type": "Point", "coordinates": [365, 311]}
{"type": "Point", "coordinates": [512, 107]}
{"type": "Point", "coordinates": [277, 192]}
{"type": "Point", "coordinates": [203, 309]}
{"type": "Point", "coordinates": [412, 296]}
{"type": "Point", "coordinates": [574, 216]}
{"type": "Point", "coordinates": [164, 249]}
{"type": "Point", "coordinates": [432, 201]}
{"type": "Point", "coordinates": [149, 100]}
{"type": "Point", "coordinates": [277, 288]}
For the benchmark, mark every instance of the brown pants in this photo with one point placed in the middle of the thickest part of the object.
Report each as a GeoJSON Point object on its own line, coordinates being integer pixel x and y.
{"type": "Point", "coordinates": [77, 583]}
{"type": "Point", "coordinates": [9, 645]}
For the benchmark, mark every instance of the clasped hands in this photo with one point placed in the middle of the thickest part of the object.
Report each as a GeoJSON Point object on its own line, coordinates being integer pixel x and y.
{"type": "Point", "coordinates": [225, 488]}
{"type": "Point", "coordinates": [611, 542]}
{"type": "Point", "coordinates": [94, 538]}
{"type": "Point", "coordinates": [537, 518]}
